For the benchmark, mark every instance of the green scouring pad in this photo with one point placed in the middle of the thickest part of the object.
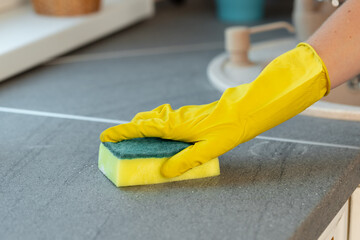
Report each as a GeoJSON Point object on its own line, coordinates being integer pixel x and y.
{"type": "Point", "coordinates": [138, 161]}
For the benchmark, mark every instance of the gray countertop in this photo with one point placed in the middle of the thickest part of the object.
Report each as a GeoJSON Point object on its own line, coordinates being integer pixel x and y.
{"type": "Point", "coordinates": [269, 188]}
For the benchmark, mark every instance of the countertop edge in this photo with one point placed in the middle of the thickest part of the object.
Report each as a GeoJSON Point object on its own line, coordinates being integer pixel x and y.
{"type": "Point", "coordinates": [332, 202]}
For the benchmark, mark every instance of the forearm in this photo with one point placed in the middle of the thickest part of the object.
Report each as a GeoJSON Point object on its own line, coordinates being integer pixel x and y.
{"type": "Point", "coordinates": [337, 42]}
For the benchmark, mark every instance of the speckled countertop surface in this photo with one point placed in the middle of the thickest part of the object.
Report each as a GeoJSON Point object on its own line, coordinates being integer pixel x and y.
{"type": "Point", "coordinates": [51, 188]}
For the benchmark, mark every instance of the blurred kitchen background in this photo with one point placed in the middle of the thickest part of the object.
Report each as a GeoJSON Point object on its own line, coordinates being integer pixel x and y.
{"type": "Point", "coordinates": [71, 68]}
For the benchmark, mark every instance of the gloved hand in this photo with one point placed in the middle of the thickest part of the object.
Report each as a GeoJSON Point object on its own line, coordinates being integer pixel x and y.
{"type": "Point", "coordinates": [287, 86]}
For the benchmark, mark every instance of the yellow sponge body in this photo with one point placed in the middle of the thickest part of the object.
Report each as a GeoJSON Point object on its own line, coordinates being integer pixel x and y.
{"type": "Point", "coordinates": [141, 171]}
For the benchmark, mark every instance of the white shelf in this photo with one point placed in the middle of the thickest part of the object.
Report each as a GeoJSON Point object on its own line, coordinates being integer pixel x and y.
{"type": "Point", "coordinates": [28, 39]}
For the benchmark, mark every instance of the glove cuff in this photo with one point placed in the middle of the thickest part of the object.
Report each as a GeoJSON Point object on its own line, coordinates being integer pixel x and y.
{"type": "Point", "coordinates": [309, 47]}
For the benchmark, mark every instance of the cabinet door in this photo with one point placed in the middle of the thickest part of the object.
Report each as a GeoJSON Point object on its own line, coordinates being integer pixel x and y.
{"type": "Point", "coordinates": [354, 228]}
{"type": "Point", "coordinates": [338, 227]}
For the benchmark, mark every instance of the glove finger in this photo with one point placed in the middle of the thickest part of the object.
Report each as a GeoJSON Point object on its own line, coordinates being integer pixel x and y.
{"type": "Point", "coordinates": [139, 129]}
{"type": "Point", "coordinates": [160, 112]}
{"type": "Point", "coordinates": [190, 157]}
{"type": "Point", "coordinates": [144, 116]}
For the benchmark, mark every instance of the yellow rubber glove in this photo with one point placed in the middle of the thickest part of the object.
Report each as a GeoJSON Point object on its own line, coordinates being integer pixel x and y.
{"type": "Point", "coordinates": [287, 86]}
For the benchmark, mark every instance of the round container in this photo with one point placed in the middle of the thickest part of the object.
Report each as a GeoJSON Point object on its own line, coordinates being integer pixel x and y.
{"type": "Point", "coordinates": [66, 7]}
{"type": "Point", "coordinates": [240, 10]}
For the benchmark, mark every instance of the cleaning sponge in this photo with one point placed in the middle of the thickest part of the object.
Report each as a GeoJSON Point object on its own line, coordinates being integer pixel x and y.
{"type": "Point", "coordinates": [138, 161]}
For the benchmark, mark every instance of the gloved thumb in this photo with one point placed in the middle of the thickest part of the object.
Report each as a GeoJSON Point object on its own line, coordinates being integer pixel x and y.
{"type": "Point", "coordinates": [187, 159]}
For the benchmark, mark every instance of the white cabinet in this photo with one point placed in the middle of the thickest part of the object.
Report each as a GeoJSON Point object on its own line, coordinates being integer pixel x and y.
{"type": "Point", "coordinates": [354, 223]}
{"type": "Point", "coordinates": [338, 227]}
{"type": "Point", "coordinates": [346, 223]}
